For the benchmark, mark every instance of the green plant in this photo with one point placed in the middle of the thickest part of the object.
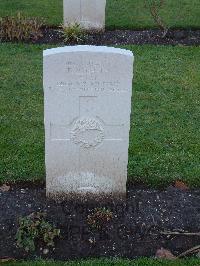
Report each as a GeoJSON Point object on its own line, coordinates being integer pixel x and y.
{"type": "Point", "coordinates": [20, 28]}
{"type": "Point", "coordinates": [154, 6]}
{"type": "Point", "coordinates": [99, 217]}
{"type": "Point", "coordinates": [33, 228]}
{"type": "Point", "coordinates": [73, 33]}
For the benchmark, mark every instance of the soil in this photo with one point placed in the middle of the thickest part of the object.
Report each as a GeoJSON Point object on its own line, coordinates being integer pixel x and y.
{"type": "Point", "coordinates": [125, 37]}
{"type": "Point", "coordinates": [136, 228]}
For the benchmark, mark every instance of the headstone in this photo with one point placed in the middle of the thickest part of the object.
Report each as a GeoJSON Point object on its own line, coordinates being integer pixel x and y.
{"type": "Point", "coordinates": [89, 14]}
{"type": "Point", "coordinates": [87, 94]}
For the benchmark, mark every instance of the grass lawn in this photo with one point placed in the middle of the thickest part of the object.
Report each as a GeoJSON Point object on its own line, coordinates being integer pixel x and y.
{"type": "Point", "coordinates": [117, 262]}
{"type": "Point", "coordinates": [164, 137]}
{"type": "Point", "coordinates": [102, 262]}
{"type": "Point", "coordinates": [119, 14]}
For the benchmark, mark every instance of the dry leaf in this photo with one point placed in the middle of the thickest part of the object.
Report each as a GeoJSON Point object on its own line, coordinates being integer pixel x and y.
{"type": "Point", "coordinates": [6, 259]}
{"type": "Point", "coordinates": [4, 188]}
{"type": "Point", "coordinates": [165, 254]}
{"type": "Point", "coordinates": [181, 185]}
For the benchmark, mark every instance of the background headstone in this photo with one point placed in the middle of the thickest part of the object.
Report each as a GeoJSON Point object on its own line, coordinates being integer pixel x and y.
{"type": "Point", "coordinates": [87, 93]}
{"type": "Point", "coordinates": [90, 14]}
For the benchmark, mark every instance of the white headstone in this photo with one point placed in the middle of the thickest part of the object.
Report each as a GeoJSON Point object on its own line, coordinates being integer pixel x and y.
{"type": "Point", "coordinates": [89, 14]}
{"type": "Point", "coordinates": [87, 92]}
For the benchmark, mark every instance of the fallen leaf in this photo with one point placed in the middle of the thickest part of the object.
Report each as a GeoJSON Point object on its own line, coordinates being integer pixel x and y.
{"type": "Point", "coordinates": [165, 254]}
{"type": "Point", "coordinates": [4, 188]}
{"type": "Point", "coordinates": [6, 259]}
{"type": "Point", "coordinates": [181, 185]}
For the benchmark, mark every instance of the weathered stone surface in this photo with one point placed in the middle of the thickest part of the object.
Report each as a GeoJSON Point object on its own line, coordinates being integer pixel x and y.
{"type": "Point", "coordinates": [90, 14]}
{"type": "Point", "coordinates": [87, 93]}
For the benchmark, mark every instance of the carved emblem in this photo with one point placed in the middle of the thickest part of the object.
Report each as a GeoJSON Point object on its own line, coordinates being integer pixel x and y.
{"type": "Point", "coordinates": [87, 133]}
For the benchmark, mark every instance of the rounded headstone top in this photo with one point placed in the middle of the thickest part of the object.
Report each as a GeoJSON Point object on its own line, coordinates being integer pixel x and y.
{"type": "Point", "coordinates": [87, 48]}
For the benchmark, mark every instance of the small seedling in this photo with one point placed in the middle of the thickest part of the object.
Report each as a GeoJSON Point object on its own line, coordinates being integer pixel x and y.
{"type": "Point", "coordinates": [99, 218]}
{"type": "Point", "coordinates": [34, 228]}
{"type": "Point", "coordinates": [73, 33]}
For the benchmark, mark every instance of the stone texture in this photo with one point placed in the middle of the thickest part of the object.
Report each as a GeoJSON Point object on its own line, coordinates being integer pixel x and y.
{"type": "Point", "coordinates": [87, 92]}
{"type": "Point", "coordinates": [90, 14]}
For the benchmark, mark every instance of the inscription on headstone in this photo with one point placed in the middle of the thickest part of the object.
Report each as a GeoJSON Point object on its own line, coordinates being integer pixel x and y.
{"type": "Point", "coordinates": [89, 14]}
{"type": "Point", "coordinates": [87, 93]}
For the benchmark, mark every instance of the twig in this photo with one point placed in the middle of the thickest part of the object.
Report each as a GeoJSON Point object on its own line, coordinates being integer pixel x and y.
{"type": "Point", "coordinates": [180, 233]}
{"type": "Point", "coordinates": [189, 251]}
{"type": "Point", "coordinates": [154, 11]}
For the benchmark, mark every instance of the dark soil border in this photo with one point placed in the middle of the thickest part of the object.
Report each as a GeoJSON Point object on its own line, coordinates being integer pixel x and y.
{"type": "Point", "coordinates": [136, 228]}
{"type": "Point", "coordinates": [124, 37]}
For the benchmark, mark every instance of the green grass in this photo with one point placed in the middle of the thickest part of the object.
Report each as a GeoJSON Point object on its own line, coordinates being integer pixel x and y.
{"type": "Point", "coordinates": [164, 137]}
{"type": "Point", "coordinates": [119, 14]}
{"type": "Point", "coordinates": [133, 14]}
{"type": "Point", "coordinates": [51, 10]}
{"type": "Point", "coordinates": [111, 262]}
